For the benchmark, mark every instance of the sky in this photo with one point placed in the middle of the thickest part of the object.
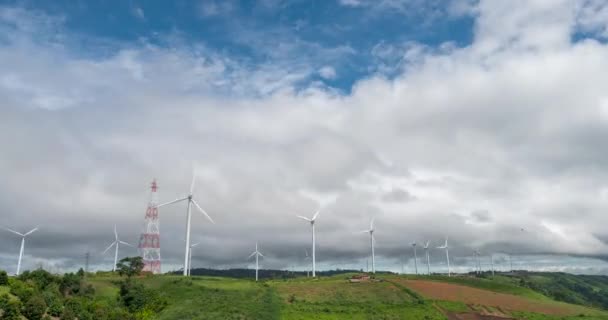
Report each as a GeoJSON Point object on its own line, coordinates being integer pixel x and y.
{"type": "Point", "coordinates": [481, 121]}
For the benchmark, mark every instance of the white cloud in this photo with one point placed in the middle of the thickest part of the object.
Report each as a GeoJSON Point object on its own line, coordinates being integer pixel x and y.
{"type": "Point", "coordinates": [138, 12]}
{"type": "Point", "coordinates": [512, 125]}
{"type": "Point", "coordinates": [327, 72]}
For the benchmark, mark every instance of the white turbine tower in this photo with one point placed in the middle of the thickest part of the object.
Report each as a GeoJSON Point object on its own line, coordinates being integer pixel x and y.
{"type": "Point", "coordinates": [312, 225]}
{"type": "Point", "coordinates": [23, 235]}
{"type": "Point", "coordinates": [257, 255]}
{"type": "Point", "coordinates": [477, 264]}
{"type": "Point", "coordinates": [415, 258]}
{"type": "Point", "coordinates": [492, 263]}
{"type": "Point", "coordinates": [190, 201]}
{"type": "Point", "coordinates": [428, 260]}
{"type": "Point", "coordinates": [306, 258]}
{"type": "Point", "coordinates": [371, 241]}
{"type": "Point", "coordinates": [447, 254]}
{"type": "Point", "coordinates": [190, 257]}
{"type": "Point", "coordinates": [116, 243]}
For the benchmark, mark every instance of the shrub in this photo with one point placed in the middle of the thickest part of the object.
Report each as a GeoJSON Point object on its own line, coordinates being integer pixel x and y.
{"type": "Point", "coordinates": [11, 310]}
{"type": "Point", "coordinates": [40, 278]}
{"type": "Point", "coordinates": [34, 308]}
{"type": "Point", "coordinates": [135, 297]}
{"type": "Point", "coordinates": [22, 290]}
{"type": "Point", "coordinates": [3, 278]}
{"type": "Point", "coordinates": [68, 314]}
{"type": "Point", "coordinates": [130, 266]}
{"type": "Point", "coordinates": [4, 299]}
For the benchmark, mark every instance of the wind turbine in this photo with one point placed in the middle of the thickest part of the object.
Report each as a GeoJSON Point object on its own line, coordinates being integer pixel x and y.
{"type": "Point", "coordinates": [492, 263]}
{"type": "Point", "coordinates": [116, 243]}
{"type": "Point", "coordinates": [415, 258]}
{"type": "Point", "coordinates": [190, 257]}
{"type": "Point", "coordinates": [447, 254]}
{"type": "Point", "coordinates": [371, 239]}
{"type": "Point", "coordinates": [188, 219]}
{"type": "Point", "coordinates": [428, 260]}
{"type": "Point", "coordinates": [312, 225]}
{"type": "Point", "coordinates": [23, 235]}
{"type": "Point", "coordinates": [257, 255]}
{"type": "Point", "coordinates": [306, 259]}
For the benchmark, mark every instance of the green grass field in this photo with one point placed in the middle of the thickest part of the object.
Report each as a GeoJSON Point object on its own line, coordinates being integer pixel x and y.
{"type": "Point", "coordinates": [323, 298]}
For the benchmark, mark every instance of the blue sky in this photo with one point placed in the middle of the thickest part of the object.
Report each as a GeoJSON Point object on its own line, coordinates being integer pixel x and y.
{"type": "Point", "coordinates": [467, 119]}
{"type": "Point", "coordinates": [348, 37]}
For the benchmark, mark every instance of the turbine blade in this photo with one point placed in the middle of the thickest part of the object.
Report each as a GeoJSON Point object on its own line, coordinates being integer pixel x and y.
{"type": "Point", "coordinates": [192, 184]}
{"type": "Point", "coordinates": [371, 224]}
{"type": "Point", "coordinates": [306, 252]}
{"type": "Point", "coordinates": [108, 248]}
{"type": "Point", "coordinates": [172, 202]}
{"type": "Point", "coordinates": [13, 231]}
{"type": "Point", "coordinates": [203, 211]}
{"type": "Point", "coordinates": [115, 233]}
{"type": "Point", "coordinates": [314, 217]}
{"type": "Point", "coordinates": [31, 231]}
{"type": "Point", "coordinates": [261, 255]}
{"type": "Point", "coordinates": [126, 243]}
{"type": "Point", "coordinates": [252, 254]}
{"type": "Point", "coordinates": [301, 217]}
{"type": "Point", "coordinates": [365, 231]}
{"type": "Point", "coordinates": [194, 245]}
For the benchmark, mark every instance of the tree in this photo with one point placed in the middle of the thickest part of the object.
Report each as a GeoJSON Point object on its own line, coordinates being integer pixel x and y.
{"type": "Point", "coordinates": [130, 266]}
{"type": "Point", "coordinates": [3, 278]}
{"type": "Point", "coordinates": [35, 308]}
{"type": "Point", "coordinates": [68, 314]}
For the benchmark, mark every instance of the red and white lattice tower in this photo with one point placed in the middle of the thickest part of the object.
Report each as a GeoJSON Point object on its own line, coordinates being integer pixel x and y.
{"type": "Point", "coordinates": [149, 242]}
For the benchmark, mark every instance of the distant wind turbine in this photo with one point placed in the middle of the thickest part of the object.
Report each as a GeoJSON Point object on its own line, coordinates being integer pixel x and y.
{"type": "Point", "coordinates": [492, 263]}
{"type": "Point", "coordinates": [190, 200]}
{"type": "Point", "coordinates": [23, 235]}
{"type": "Point", "coordinates": [257, 255]}
{"type": "Point", "coordinates": [447, 254]}
{"type": "Point", "coordinates": [190, 257]}
{"type": "Point", "coordinates": [428, 260]}
{"type": "Point", "coordinates": [371, 239]}
{"type": "Point", "coordinates": [312, 225]}
{"type": "Point", "coordinates": [415, 258]}
{"type": "Point", "coordinates": [116, 243]}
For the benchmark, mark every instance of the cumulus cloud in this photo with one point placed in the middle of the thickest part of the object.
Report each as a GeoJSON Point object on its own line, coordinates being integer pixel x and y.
{"type": "Point", "coordinates": [513, 123]}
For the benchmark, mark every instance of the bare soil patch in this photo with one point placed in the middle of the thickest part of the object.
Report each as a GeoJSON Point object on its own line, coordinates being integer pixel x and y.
{"type": "Point", "coordinates": [473, 296]}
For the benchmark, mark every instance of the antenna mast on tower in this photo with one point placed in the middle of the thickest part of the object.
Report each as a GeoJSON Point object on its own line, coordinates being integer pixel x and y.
{"type": "Point", "coordinates": [149, 242]}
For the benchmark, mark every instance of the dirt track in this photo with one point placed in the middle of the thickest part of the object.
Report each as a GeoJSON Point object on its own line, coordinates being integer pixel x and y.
{"type": "Point", "coordinates": [453, 292]}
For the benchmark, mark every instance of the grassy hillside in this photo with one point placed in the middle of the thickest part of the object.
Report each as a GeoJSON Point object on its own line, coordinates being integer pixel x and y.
{"type": "Point", "coordinates": [334, 297]}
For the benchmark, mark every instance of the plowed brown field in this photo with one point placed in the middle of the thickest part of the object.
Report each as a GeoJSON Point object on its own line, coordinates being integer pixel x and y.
{"type": "Point", "coordinates": [468, 295]}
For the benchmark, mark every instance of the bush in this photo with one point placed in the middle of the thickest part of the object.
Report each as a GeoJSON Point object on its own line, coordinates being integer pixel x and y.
{"type": "Point", "coordinates": [3, 278]}
{"type": "Point", "coordinates": [135, 297]}
{"type": "Point", "coordinates": [68, 314]}
{"type": "Point", "coordinates": [40, 278]}
{"type": "Point", "coordinates": [21, 290]}
{"type": "Point", "coordinates": [4, 299]}
{"type": "Point", "coordinates": [11, 310]}
{"type": "Point", "coordinates": [35, 308]}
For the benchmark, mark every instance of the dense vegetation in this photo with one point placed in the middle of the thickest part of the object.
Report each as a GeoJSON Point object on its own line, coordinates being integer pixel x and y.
{"type": "Point", "coordinates": [40, 295]}
{"type": "Point", "coordinates": [263, 273]}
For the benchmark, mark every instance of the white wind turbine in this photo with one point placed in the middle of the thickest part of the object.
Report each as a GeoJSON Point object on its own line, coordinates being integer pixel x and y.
{"type": "Point", "coordinates": [257, 255]}
{"type": "Point", "coordinates": [312, 225]}
{"type": "Point", "coordinates": [23, 235]}
{"type": "Point", "coordinates": [306, 258]}
{"type": "Point", "coordinates": [415, 258]}
{"type": "Point", "coordinates": [116, 243]}
{"type": "Point", "coordinates": [188, 220]}
{"type": "Point", "coordinates": [428, 260]}
{"type": "Point", "coordinates": [190, 257]}
{"type": "Point", "coordinates": [447, 254]}
{"type": "Point", "coordinates": [371, 240]}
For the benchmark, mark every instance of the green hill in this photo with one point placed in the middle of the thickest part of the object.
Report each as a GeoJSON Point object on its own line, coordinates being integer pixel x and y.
{"type": "Point", "coordinates": [504, 296]}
